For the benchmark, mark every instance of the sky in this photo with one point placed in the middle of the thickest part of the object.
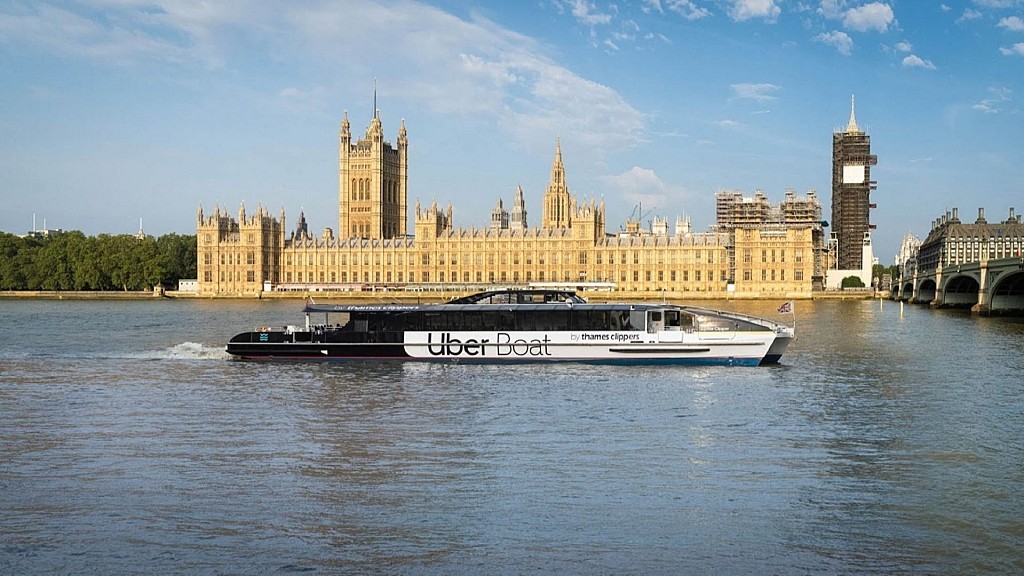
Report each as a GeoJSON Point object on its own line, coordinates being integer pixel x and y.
{"type": "Point", "coordinates": [116, 110]}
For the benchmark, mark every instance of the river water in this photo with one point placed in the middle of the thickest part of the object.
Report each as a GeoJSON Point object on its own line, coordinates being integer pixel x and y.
{"type": "Point", "coordinates": [887, 442]}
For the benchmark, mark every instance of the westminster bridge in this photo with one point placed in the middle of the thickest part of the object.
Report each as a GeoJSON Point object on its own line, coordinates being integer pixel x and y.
{"type": "Point", "coordinates": [988, 286]}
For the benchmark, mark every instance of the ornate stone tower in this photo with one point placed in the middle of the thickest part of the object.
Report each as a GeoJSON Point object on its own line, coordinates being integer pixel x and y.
{"type": "Point", "coordinates": [851, 186]}
{"type": "Point", "coordinates": [559, 205]}
{"type": "Point", "coordinates": [372, 182]}
{"type": "Point", "coordinates": [517, 220]}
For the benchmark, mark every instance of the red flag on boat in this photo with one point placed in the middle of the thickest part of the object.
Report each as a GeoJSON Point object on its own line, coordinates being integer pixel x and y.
{"type": "Point", "coordinates": [786, 308]}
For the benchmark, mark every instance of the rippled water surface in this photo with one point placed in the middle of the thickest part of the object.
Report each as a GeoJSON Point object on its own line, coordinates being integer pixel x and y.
{"type": "Point", "coordinates": [886, 443]}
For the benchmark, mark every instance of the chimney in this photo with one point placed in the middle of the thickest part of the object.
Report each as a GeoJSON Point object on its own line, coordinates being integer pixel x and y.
{"type": "Point", "coordinates": [981, 217]}
{"type": "Point", "coordinates": [1012, 214]}
{"type": "Point", "coordinates": [956, 214]}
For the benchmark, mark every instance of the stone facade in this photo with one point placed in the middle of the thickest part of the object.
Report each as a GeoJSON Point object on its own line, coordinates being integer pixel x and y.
{"type": "Point", "coordinates": [571, 246]}
{"type": "Point", "coordinates": [951, 241]}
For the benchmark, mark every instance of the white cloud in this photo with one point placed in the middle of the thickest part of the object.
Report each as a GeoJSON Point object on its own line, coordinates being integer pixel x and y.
{"type": "Point", "coordinates": [688, 9]}
{"type": "Point", "coordinates": [915, 61]}
{"type": "Point", "coordinates": [449, 65]}
{"type": "Point", "coordinates": [830, 9]}
{"type": "Point", "coordinates": [904, 46]}
{"type": "Point", "coordinates": [124, 40]}
{"type": "Point", "coordinates": [759, 92]}
{"type": "Point", "coordinates": [648, 6]}
{"type": "Point", "coordinates": [991, 105]}
{"type": "Point", "coordinates": [749, 9]}
{"type": "Point", "coordinates": [840, 40]}
{"type": "Point", "coordinates": [875, 16]}
{"type": "Point", "coordinates": [586, 13]}
{"type": "Point", "coordinates": [968, 15]}
{"type": "Point", "coordinates": [643, 186]}
{"type": "Point", "coordinates": [998, 3]}
{"type": "Point", "coordinates": [1013, 23]}
{"type": "Point", "coordinates": [1015, 50]}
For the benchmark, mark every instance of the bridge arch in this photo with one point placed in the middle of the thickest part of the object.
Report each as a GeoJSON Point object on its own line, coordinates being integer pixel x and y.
{"type": "Point", "coordinates": [907, 292]}
{"type": "Point", "coordinates": [1008, 293]}
{"type": "Point", "coordinates": [926, 291]}
{"type": "Point", "coordinates": [960, 292]}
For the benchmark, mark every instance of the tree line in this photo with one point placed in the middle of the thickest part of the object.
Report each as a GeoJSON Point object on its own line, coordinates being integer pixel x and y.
{"type": "Point", "coordinates": [74, 261]}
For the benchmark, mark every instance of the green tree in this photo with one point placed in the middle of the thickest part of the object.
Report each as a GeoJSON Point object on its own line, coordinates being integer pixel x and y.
{"type": "Point", "coordinates": [11, 277]}
{"type": "Point", "coordinates": [852, 282]}
{"type": "Point", "coordinates": [74, 261]}
{"type": "Point", "coordinates": [177, 256]}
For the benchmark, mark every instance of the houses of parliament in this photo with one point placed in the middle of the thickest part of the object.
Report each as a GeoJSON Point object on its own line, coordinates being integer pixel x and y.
{"type": "Point", "coordinates": [754, 249]}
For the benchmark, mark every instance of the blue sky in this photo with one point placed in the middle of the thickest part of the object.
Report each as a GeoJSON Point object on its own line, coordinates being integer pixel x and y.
{"type": "Point", "coordinates": [115, 110]}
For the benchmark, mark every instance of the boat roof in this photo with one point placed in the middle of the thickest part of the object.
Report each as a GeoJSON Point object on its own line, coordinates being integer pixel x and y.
{"type": "Point", "coordinates": [532, 300]}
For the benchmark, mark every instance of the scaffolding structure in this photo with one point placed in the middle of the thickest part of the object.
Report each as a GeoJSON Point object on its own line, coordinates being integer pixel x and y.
{"type": "Point", "coordinates": [851, 189]}
{"type": "Point", "coordinates": [735, 211]}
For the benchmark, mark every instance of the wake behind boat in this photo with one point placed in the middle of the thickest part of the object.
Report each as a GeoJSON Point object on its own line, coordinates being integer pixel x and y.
{"type": "Point", "coordinates": [522, 326]}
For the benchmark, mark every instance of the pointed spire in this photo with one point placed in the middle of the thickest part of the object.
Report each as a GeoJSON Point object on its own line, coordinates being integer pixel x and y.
{"type": "Point", "coordinates": [557, 168]}
{"type": "Point", "coordinates": [852, 126]}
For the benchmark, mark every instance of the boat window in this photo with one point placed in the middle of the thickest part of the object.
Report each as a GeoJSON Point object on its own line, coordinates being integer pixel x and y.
{"type": "Point", "coordinates": [433, 321]}
{"type": "Point", "coordinates": [678, 320]}
{"type": "Point", "coordinates": [637, 320]}
{"type": "Point", "coordinates": [618, 320]}
{"type": "Point", "coordinates": [721, 324]}
{"type": "Point", "coordinates": [593, 320]}
{"type": "Point", "coordinates": [671, 318]}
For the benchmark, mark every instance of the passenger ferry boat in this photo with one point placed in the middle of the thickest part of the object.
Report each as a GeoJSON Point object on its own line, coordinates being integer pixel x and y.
{"type": "Point", "coordinates": [521, 326]}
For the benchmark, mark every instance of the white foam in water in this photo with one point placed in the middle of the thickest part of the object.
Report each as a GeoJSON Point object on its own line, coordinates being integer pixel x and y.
{"type": "Point", "coordinates": [186, 351]}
